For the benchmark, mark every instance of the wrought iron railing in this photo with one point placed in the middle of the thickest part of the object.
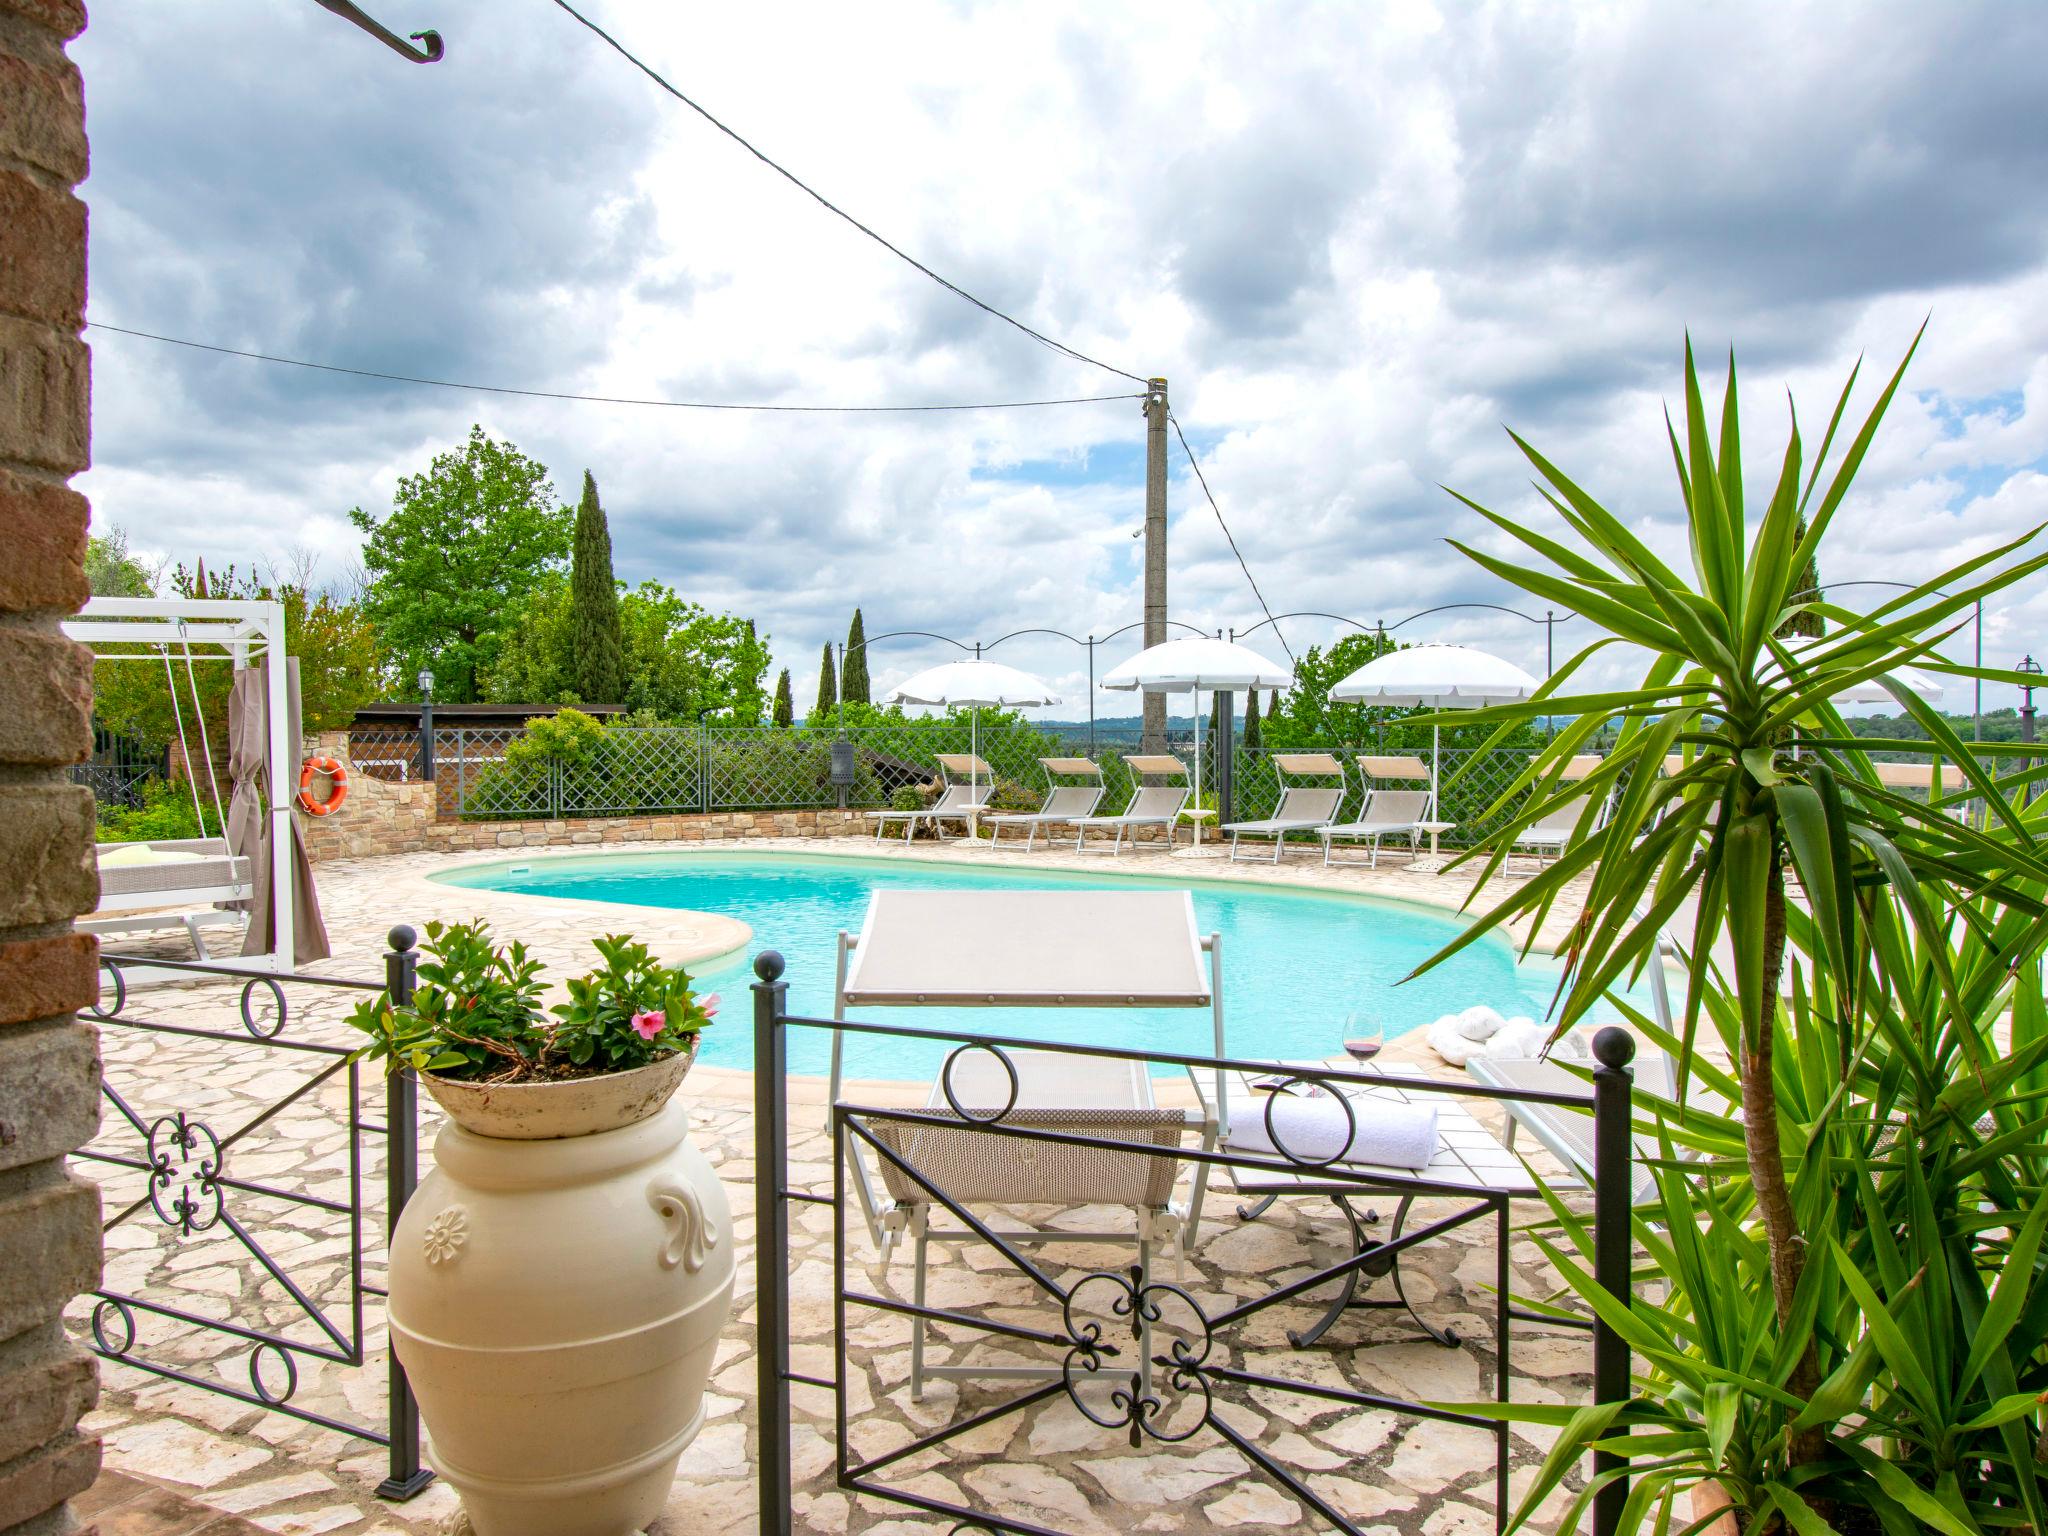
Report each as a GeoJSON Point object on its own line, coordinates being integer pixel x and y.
{"type": "Point", "coordinates": [189, 1184]}
{"type": "Point", "coordinates": [1132, 1353]}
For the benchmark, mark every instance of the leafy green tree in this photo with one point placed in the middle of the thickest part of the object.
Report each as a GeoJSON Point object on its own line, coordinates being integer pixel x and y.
{"type": "Point", "coordinates": [785, 709]}
{"type": "Point", "coordinates": [681, 663]}
{"type": "Point", "coordinates": [598, 641]}
{"type": "Point", "coordinates": [854, 684]}
{"type": "Point", "coordinates": [1252, 739]}
{"type": "Point", "coordinates": [828, 690]}
{"type": "Point", "coordinates": [463, 544]}
{"type": "Point", "coordinates": [112, 572]}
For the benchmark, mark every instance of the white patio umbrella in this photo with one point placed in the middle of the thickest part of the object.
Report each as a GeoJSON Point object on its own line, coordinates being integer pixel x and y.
{"type": "Point", "coordinates": [1437, 677]}
{"type": "Point", "coordinates": [974, 684]}
{"type": "Point", "coordinates": [1873, 691]}
{"type": "Point", "coordinates": [1191, 665]}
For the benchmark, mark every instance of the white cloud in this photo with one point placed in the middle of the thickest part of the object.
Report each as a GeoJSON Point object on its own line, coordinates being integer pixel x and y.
{"type": "Point", "coordinates": [1357, 243]}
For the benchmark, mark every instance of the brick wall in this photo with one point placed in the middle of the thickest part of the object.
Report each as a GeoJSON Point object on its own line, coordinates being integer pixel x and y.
{"type": "Point", "coordinates": [382, 817]}
{"type": "Point", "coordinates": [49, 1062]}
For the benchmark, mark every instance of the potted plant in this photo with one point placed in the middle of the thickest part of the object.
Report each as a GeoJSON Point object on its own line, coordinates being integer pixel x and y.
{"type": "Point", "coordinates": [560, 1279]}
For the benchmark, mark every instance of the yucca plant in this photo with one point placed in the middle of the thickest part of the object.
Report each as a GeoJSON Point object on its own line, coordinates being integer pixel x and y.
{"type": "Point", "coordinates": [1850, 1310]}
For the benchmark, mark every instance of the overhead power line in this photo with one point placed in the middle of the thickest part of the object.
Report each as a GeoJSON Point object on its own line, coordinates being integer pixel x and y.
{"type": "Point", "coordinates": [1203, 481]}
{"type": "Point", "coordinates": [552, 394]}
{"type": "Point", "coordinates": [832, 207]}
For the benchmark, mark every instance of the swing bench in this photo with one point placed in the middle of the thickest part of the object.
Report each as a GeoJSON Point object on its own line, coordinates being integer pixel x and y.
{"type": "Point", "coordinates": [174, 882]}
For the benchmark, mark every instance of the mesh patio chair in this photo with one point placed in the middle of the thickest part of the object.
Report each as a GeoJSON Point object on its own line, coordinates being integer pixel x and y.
{"type": "Point", "coordinates": [967, 781]}
{"type": "Point", "coordinates": [1552, 832]}
{"type": "Point", "coordinates": [1064, 803]}
{"type": "Point", "coordinates": [1112, 1101]}
{"type": "Point", "coordinates": [1303, 807]}
{"type": "Point", "coordinates": [1036, 949]}
{"type": "Point", "coordinates": [1152, 805]}
{"type": "Point", "coordinates": [1386, 812]}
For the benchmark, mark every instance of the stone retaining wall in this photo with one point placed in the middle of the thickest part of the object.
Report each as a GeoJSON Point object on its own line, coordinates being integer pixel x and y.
{"type": "Point", "coordinates": [382, 817]}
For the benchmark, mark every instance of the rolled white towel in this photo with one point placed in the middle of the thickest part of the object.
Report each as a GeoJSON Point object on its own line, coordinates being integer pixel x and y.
{"type": "Point", "coordinates": [1479, 1022]}
{"type": "Point", "coordinates": [1520, 1038]}
{"type": "Point", "coordinates": [1451, 1043]}
{"type": "Point", "coordinates": [1385, 1133]}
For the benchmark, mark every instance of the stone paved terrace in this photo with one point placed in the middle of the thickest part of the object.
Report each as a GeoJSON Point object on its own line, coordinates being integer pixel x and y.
{"type": "Point", "coordinates": [1047, 1465]}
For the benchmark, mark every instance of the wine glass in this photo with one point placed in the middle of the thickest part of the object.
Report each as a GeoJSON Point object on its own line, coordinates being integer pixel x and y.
{"type": "Point", "coordinates": [1364, 1034]}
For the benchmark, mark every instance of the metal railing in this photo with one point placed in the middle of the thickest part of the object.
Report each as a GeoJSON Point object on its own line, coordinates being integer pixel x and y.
{"type": "Point", "coordinates": [189, 1185]}
{"type": "Point", "coordinates": [1123, 1364]}
{"type": "Point", "coordinates": [489, 774]}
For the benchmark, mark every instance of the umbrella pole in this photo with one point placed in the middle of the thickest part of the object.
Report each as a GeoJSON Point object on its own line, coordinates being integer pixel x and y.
{"type": "Point", "coordinates": [1196, 695]}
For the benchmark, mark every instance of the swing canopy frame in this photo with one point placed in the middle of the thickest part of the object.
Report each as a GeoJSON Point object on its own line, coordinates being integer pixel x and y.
{"type": "Point", "coordinates": [181, 634]}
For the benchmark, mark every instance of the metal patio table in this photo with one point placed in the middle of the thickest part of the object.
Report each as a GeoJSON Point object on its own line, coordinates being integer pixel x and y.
{"type": "Point", "coordinates": [1470, 1163]}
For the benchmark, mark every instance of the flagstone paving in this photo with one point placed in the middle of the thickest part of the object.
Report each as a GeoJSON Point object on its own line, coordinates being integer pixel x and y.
{"type": "Point", "coordinates": [1048, 1464]}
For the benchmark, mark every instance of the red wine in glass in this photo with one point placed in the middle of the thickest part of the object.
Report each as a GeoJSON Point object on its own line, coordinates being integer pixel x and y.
{"type": "Point", "coordinates": [1364, 1034]}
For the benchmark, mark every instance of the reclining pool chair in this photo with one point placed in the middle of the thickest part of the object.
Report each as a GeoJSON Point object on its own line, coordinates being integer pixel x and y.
{"type": "Point", "coordinates": [1552, 832]}
{"type": "Point", "coordinates": [1063, 802]}
{"type": "Point", "coordinates": [1111, 1100]}
{"type": "Point", "coordinates": [1152, 805]}
{"type": "Point", "coordinates": [967, 781]}
{"type": "Point", "coordinates": [1303, 807]}
{"type": "Point", "coordinates": [1386, 812]}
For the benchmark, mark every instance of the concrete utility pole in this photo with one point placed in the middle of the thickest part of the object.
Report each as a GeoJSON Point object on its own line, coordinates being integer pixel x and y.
{"type": "Point", "coordinates": [1155, 550]}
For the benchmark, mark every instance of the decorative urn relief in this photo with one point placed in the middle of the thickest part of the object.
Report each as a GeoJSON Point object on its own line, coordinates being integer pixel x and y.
{"type": "Point", "coordinates": [560, 1279]}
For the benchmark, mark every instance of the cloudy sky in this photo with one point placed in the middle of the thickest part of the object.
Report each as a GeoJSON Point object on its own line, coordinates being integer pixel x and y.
{"type": "Point", "coordinates": [1357, 240]}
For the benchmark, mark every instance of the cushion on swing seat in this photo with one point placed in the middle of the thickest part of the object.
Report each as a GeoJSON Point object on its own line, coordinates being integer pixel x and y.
{"type": "Point", "coordinates": [125, 855]}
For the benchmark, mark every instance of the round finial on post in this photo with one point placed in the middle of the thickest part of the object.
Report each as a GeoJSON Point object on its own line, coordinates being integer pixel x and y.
{"type": "Point", "coordinates": [401, 938]}
{"type": "Point", "coordinates": [768, 966]}
{"type": "Point", "coordinates": [1614, 1047]}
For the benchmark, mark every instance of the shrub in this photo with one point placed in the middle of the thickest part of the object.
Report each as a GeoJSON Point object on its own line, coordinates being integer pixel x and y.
{"type": "Point", "coordinates": [164, 815]}
{"type": "Point", "coordinates": [476, 1015]}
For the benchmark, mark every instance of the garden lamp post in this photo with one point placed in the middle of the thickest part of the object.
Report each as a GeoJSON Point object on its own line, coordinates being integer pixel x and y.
{"type": "Point", "coordinates": [426, 681]}
{"type": "Point", "coordinates": [2033, 669]}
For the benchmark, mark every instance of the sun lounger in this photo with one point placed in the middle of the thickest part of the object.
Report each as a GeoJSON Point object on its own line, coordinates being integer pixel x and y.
{"type": "Point", "coordinates": [1308, 807]}
{"type": "Point", "coordinates": [176, 883]}
{"type": "Point", "coordinates": [968, 782]}
{"type": "Point", "coordinates": [1033, 949]}
{"type": "Point", "coordinates": [1152, 805]}
{"type": "Point", "coordinates": [1386, 812]}
{"type": "Point", "coordinates": [1551, 833]}
{"type": "Point", "coordinates": [1064, 803]}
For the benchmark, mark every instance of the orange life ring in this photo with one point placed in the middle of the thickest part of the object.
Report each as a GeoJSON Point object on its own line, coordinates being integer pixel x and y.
{"type": "Point", "coordinates": [338, 778]}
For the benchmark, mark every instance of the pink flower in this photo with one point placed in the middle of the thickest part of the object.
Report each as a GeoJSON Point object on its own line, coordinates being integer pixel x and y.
{"type": "Point", "coordinates": [650, 1024]}
{"type": "Point", "coordinates": [709, 1005]}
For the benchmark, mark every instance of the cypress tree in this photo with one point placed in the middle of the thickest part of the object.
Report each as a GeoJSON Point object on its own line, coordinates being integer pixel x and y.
{"type": "Point", "coordinates": [1252, 741]}
{"type": "Point", "coordinates": [785, 710]}
{"type": "Point", "coordinates": [1805, 588]}
{"type": "Point", "coordinates": [828, 691]}
{"type": "Point", "coordinates": [594, 633]}
{"type": "Point", "coordinates": [855, 683]}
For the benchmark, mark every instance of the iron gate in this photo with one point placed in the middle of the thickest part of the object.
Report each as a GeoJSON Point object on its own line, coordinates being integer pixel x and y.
{"type": "Point", "coordinates": [1132, 1353]}
{"type": "Point", "coordinates": [190, 1187]}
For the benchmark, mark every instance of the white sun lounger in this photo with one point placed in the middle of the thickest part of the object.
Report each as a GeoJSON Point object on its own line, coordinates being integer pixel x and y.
{"type": "Point", "coordinates": [1063, 802]}
{"type": "Point", "coordinates": [1152, 805]}
{"type": "Point", "coordinates": [175, 883]}
{"type": "Point", "coordinates": [1551, 832]}
{"type": "Point", "coordinates": [1034, 949]}
{"type": "Point", "coordinates": [958, 801]}
{"type": "Point", "coordinates": [1386, 812]}
{"type": "Point", "coordinates": [1303, 807]}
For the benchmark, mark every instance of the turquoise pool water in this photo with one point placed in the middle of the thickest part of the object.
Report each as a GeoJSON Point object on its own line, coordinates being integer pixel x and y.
{"type": "Point", "coordinates": [1294, 962]}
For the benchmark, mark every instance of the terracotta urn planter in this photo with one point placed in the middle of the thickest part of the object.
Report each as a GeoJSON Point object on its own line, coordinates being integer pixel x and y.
{"type": "Point", "coordinates": [1709, 1499]}
{"type": "Point", "coordinates": [559, 1283]}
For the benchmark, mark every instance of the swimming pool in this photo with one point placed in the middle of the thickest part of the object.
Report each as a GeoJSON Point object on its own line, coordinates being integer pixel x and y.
{"type": "Point", "coordinates": [1295, 962]}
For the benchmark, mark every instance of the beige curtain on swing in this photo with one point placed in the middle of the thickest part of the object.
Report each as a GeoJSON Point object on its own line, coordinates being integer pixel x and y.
{"type": "Point", "coordinates": [249, 824]}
